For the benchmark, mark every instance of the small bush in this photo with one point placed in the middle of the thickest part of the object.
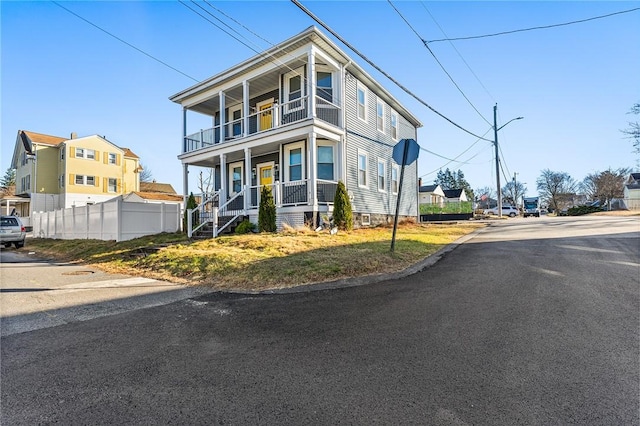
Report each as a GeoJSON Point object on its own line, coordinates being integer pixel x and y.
{"type": "Point", "coordinates": [245, 227]}
{"type": "Point", "coordinates": [580, 210]}
{"type": "Point", "coordinates": [191, 204]}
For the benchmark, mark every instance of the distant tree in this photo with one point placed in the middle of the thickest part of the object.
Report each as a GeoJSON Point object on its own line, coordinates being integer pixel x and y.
{"type": "Point", "coordinates": [342, 214]}
{"type": "Point", "coordinates": [605, 186]}
{"type": "Point", "coordinates": [483, 196]}
{"type": "Point", "coordinates": [512, 191]}
{"type": "Point", "coordinates": [146, 175]}
{"type": "Point", "coordinates": [633, 131]}
{"type": "Point", "coordinates": [9, 178]}
{"type": "Point", "coordinates": [205, 181]}
{"type": "Point", "coordinates": [454, 180]}
{"type": "Point", "coordinates": [556, 188]}
{"type": "Point", "coordinates": [266, 211]}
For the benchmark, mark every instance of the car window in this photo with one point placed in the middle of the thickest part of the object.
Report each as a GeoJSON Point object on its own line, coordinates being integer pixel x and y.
{"type": "Point", "coordinates": [9, 221]}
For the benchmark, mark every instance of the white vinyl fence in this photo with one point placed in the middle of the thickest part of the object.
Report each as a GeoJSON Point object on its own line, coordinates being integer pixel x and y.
{"type": "Point", "coordinates": [117, 220]}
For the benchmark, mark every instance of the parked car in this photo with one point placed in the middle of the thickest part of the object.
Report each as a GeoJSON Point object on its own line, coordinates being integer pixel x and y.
{"type": "Point", "coordinates": [12, 231]}
{"type": "Point", "coordinates": [506, 211]}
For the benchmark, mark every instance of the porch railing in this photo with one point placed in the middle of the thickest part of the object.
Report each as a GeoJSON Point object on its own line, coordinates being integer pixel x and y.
{"type": "Point", "coordinates": [203, 214]}
{"type": "Point", "coordinates": [277, 116]}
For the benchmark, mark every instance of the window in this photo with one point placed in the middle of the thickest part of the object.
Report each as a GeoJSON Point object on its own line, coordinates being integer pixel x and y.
{"type": "Point", "coordinates": [25, 183]}
{"type": "Point", "coordinates": [394, 179]}
{"type": "Point", "coordinates": [394, 126]}
{"type": "Point", "coordinates": [62, 154]}
{"type": "Point", "coordinates": [85, 180]}
{"type": "Point", "coordinates": [61, 181]}
{"type": "Point", "coordinates": [380, 115]}
{"type": "Point", "coordinates": [294, 162]}
{"type": "Point", "coordinates": [362, 102]}
{"type": "Point", "coordinates": [236, 122]}
{"type": "Point", "coordinates": [112, 185]}
{"type": "Point", "coordinates": [362, 169]}
{"type": "Point", "coordinates": [381, 175]}
{"type": "Point", "coordinates": [236, 177]}
{"type": "Point", "coordinates": [325, 162]}
{"type": "Point", "coordinates": [324, 88]}
{"type": "Point", "coordinates": [89, 154]}
{"type": "Point", "coordinates": [113, 159]}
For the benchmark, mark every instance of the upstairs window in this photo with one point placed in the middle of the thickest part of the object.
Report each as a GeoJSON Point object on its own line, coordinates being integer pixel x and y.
{"type": "Point", "coordinates": [85, 180]}
{"type": "Point", "coordinates": [394, 179]}
{"type": "Point", "coordinates": [394, 126]}
{"type": "Point", "coordinates": [362, 103]}
{"type": "Point", "coordinates": [79, 152]}
{"type": "Point", "coordinates": [380, 115]}
{"type": "Point", "coordinates": [324, 88]}
{"type": "Point", "coordinates": [113, 159]}
{"type": "Point", "coordinates": [88, 154]}
{"type": "Point", "coordinates": [112, 185]}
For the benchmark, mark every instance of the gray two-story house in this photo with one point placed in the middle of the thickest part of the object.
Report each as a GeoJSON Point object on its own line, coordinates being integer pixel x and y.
{"type": "Point", "coordinates": [299, 117]}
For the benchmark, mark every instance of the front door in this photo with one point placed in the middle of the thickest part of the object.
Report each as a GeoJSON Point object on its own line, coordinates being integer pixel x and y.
{"type": "Point", "coordinates": [266, 174]}
{"type": "Point", "coordinates": [266, 115]}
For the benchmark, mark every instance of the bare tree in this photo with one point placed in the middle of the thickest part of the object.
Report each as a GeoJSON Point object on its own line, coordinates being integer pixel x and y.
{"type": "Point", "coordinates": [633, 131]}
{"type": "Point", "coordinates": [206, 181]}
{"type": "Point", "coordinates": [556, 188]}
{"type": "Point", "coordinates": [146, 175]}
{"type": "Point", "coordinates": [606, 185]}
{"type": "Point", "coordinates": [483, 196]}
{"type": "Point", "coordinates": [512, 191]}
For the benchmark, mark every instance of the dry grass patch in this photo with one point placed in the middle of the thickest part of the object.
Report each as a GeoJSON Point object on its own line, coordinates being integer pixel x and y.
{"type": "Point", "coordinates": [262, 261]}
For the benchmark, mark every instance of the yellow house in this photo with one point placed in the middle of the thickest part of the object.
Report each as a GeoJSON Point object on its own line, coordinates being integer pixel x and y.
{"type": "Point", "coordinates": [54, 172]}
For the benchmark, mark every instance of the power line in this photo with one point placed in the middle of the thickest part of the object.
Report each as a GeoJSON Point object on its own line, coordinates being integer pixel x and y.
{"type": "Point", "coordinates": [125, 42]}
{"type": "Point", "coordinates": [457, 51]}
{"type": "Point", "coordinates": [535, 28]}
{"type": "Point", "coordinates": [239, 23]}
{"type": "Point", "coordinates": [438, 61]}
{"type": "Point", "coordinates": [326, 27]}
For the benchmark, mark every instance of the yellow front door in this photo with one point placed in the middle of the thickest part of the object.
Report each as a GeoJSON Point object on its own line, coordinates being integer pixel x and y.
{"type": "Point", "coordinates": [266, 175]}
{"type": "Point", "coordinates": [266, 114]}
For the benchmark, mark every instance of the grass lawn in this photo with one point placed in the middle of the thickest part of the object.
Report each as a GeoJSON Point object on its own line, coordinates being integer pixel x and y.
{"type": "Point", "coordinates": [259, 261]}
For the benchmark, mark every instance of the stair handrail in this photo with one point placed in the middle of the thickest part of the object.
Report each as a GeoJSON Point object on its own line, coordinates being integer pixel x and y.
{"type": "Point", "coordinates": [200, 208]}
{"type": "Point", "coordinates": [222, 210]}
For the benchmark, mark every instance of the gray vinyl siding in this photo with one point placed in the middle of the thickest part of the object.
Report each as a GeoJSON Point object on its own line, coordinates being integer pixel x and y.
{"type": "Point", "coordinates": [364, 137]}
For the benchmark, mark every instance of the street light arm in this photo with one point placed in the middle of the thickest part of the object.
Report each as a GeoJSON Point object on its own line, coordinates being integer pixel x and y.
{"type": "Point", "coordinates": [513, 119]}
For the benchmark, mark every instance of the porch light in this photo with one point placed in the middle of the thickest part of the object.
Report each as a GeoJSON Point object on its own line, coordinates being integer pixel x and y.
{"type": "Point", "coordinates": [253, 173]}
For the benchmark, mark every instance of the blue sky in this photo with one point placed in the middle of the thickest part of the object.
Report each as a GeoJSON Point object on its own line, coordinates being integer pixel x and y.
{"type": "Point", "coordinates": [573, 84]}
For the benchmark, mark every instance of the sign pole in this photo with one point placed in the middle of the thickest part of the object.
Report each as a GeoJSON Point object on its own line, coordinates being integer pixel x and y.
{"type": "Point", "coordinates": [395, 220]}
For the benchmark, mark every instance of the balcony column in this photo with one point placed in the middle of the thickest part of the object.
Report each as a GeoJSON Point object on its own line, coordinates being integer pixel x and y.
{"type": "Point", "coordinates": [313, 181]}
{"type": "Point", "coordinates": [223, 118]}
{"type": "Point", "coordinates": [245, 108]}
{"type": "Point", "coordinates": [311, 78]}
{"type": "Point", "coordinates": [223, 178]}
{"type": "Point", "coordinates": [247, 173]}
{"type": "Point", "coordinates": [184, 130]}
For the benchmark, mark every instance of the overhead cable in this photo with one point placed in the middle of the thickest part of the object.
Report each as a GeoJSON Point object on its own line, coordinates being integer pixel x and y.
{"type": "Point", "coordinates": [438, 61]}
{"type": "Point", "coordinates": [125, 42]}
{"type": "Point", "coordinates": [346, 43]}
{"type": "Point", "coordinates": [542, 27]}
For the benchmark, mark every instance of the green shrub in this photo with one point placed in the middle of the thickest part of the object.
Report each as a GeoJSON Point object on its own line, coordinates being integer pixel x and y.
{"type": "Point", "coordinates": [342, 214]}
{"type": "Point", "coordinates": [245, 227]}
{"type": "Point", "coordinates": [191, 204]}
{"type": "Point", "coordinates": [266, 211]}
{"type": "Point", "coordinates": [580, 210]}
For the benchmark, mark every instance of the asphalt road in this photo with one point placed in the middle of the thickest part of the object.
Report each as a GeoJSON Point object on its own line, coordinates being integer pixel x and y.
{"type": "Point", "coordinates": [532, 322]}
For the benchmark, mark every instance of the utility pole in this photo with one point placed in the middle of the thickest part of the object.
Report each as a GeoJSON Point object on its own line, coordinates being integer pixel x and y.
{"type": "Point", "coordinates": [515, 190]}
{"type": "Point", "coordinates": [495, 142]}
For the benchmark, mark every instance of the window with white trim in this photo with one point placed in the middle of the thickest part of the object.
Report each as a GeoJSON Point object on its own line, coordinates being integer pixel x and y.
{"type": "Point", "coordinates": [324, 85]}
{"type": "Point", "coordinates": [236, 177]}
{"type": "Point", "coordinates": [380, 115]}
{"type": "Point", "coordinates": [325, 162]}
{"type": "Point", "coordinates": [394, 179]}
{"type": "Point", "coordinates": [62, 154]}
{"type": "Point", "coordinates": [381, 175]}
{"type": "Point", "coordinates": [88, 154]}
{"type": "Point", "coordinates": [394, 125]}
{"type": "Point", "coordinates": [85, 180]}
{"type": "Point", "coordinates": [362, 103]}
{"type": "Point", "coordinates": [363, 159]}
{"type": "Point", "coordinates": [113, 158]}
{"type": "Point", "coordinates": [294, 162]}
{"type": "Point", "coordinates": [112, 185]}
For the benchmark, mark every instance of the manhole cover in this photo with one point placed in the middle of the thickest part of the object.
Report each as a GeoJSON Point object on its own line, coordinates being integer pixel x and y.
{"type": "Point", "coordinates": [78, 273]}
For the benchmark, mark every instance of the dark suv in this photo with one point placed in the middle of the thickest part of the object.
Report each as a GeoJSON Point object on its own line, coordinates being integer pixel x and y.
{"type": "Point", "coordinates": [12, 231]}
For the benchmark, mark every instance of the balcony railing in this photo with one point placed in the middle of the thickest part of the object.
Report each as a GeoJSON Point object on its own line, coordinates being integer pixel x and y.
{"type": "Point", "coordinates": [261, 121]}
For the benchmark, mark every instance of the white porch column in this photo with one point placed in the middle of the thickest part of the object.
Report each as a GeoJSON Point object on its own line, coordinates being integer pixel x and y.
{"type": "Point", "coordinates": [311, 78]}
{"type": "Point", "coordinates": [313, 183]}
{"type": "Point", "coordinates": [185, 183]}
{"type": "Point", "coordinates": [184, 130]}
{"type": "Point", "coordinates": [245, 108]}
{"type": "Point", "coordinates": [223, 178]}
{"type": "Point", "coordinates": [247, 173]}
{"type": "Point", "coordinates": [223, 119]}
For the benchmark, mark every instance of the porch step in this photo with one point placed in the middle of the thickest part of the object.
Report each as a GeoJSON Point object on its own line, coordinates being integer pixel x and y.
{"type": "Point", "coordinates": [207, 230]}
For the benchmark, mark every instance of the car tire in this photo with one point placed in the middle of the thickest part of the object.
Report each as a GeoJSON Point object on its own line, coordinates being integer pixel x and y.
{"type": "Point", "coordinates": [19, 244]}
{"type": "Point", "coordinates": [512, 214]}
